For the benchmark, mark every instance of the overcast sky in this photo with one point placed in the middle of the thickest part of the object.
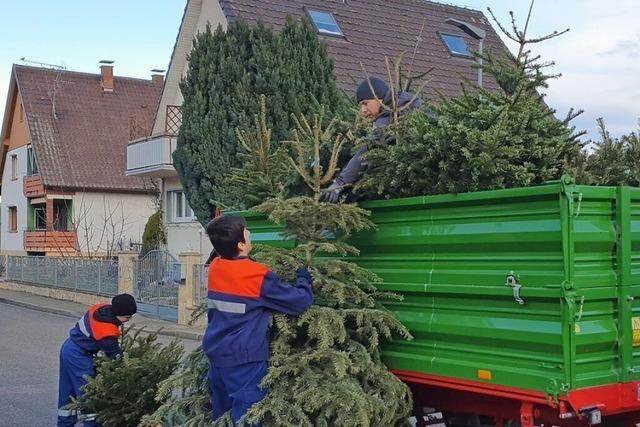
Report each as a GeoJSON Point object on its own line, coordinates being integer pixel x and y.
{"type": "Point", "coordinates": [599, 58]}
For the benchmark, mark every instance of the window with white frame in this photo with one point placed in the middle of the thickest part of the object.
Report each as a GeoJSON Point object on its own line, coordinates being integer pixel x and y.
{"type": "Point", "coordinates": [177, 207]}
{"type": "Point", "coordinates": [40, 217]}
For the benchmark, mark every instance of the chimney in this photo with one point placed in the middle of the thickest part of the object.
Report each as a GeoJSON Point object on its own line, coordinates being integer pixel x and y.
{"type": "Point", "coordinates": [106, 75]}
{"type": "Point", "coordinates": [157, 76]}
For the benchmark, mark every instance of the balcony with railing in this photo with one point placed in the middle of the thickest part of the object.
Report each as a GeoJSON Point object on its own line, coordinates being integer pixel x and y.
{"type": "Point", "coordinates": [57, 241]}
{"type": "Point", "coordinates": [49, 227]}
{"type": "Point", "coordinates": [151, 156]}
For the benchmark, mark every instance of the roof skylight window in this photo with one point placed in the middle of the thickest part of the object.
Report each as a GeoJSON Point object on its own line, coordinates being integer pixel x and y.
{"type": "Point", "coordinates": [325, 22]}
{"type": "Point", "coordinates": [456, 44]}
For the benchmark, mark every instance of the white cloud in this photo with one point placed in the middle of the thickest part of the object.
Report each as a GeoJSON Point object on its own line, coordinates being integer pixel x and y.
{"type": "Point", "coordinates": [628, 48]}
{"type": "Point", "coordinates": [600, 66]}
{"type": "Point", "coordinates": [599, 58]}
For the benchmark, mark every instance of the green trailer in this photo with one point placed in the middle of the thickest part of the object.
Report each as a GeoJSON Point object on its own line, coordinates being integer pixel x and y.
{"type": "Point", "coordinates": [524, 303]}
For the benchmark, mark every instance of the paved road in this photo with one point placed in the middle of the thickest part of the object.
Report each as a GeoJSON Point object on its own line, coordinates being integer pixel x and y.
{"type": "Point", "coordinates": [29, 350]}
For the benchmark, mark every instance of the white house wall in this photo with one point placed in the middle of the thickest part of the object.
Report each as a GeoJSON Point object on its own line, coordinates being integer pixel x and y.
{"type": "Point", "coordinates": [13, 195]}
{"type": "Point", "coordinates": [102, 218]}
{"type": "Point", "coordinates": [183, 236]}
{"type": "Point", "coordinates": [196, 16]}
{"type": "Point", "coordinates": [188, 237]}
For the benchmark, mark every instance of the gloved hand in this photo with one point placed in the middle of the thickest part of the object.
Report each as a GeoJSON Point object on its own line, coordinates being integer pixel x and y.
{"type": "Point", "coordinates": [332, 195]}
{"type": "Point", "coordinates": [303, 273]}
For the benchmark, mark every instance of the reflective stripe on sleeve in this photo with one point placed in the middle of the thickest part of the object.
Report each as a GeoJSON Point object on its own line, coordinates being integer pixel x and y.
{"type": "Point", "coordinates": [226, 306]}
{"type": "Point", "coordinates": [65, 412]}
{"type": "Point", "coordinates": [83, 327]}
{"type": "Point", "coordinates": [88, 417]}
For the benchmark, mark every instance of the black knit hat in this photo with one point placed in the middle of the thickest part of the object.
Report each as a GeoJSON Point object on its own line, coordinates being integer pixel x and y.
{"type": "Point", "coordinates": [380, 89]}
{"type": "Point", "coordinates": [124, 305]}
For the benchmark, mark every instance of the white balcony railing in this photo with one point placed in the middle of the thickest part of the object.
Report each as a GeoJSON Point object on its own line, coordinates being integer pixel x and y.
{"type": "Point", "coordinates": [151, 156]}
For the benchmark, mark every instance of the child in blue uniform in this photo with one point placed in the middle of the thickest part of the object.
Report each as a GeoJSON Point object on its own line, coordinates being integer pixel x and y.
{"type": "Point", "coordinates": [242, 296]}
{"type": "Point", "coordinates": [98, 329]}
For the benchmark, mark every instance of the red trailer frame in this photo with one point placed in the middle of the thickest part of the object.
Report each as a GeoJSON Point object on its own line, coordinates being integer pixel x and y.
{"type": "Point", "coordinates": [619, 403]}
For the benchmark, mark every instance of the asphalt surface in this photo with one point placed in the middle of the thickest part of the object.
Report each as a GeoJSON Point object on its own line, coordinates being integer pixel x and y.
{"type": "Point", "coordinates": [29, 351]}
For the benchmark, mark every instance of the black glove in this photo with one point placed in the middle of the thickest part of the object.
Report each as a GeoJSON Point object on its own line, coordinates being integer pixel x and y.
{"type": "Point", "coordinates": [332, 195]}
{"type": "Point", "coordinates": [304, 273]}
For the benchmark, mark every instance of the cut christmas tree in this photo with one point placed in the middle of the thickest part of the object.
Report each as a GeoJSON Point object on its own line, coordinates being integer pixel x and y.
{"type": "Point", "coordinates": [325, 367]}
{"type": "Point", "coordinates": [124, 389]}
{"type": "Point", "coordinates": [484, 139]}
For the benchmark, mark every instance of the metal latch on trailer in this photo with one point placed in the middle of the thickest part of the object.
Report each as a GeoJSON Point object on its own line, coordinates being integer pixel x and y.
{"type": "Point", "coordinates": [512, 281]}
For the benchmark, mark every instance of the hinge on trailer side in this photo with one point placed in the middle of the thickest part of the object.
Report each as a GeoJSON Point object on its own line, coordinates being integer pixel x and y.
{"type": "Point", "coordinates": [567, 181]}
{"type": "Point", "coordinates": [552, 392]}
{"type": "Point", "coordinates": [567, 285]}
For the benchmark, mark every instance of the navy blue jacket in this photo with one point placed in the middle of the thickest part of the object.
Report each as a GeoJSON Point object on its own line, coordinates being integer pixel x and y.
{"type": "Point", "coordinates": [98, 329]}
{"type": "Point", "coordinates": [351, 172]}
{"type": "Point", "coordinates": [241, 298]}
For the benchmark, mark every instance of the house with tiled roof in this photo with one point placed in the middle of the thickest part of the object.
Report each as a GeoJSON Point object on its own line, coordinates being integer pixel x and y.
{"type": "Point", "coordinates": [358, 33]}
{"type": "Point", "coordinates": [64, 139]}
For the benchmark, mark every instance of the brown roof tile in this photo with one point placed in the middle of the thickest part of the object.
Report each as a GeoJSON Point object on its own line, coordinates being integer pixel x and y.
{"type": "Point", "coordinates": [375, 28]}
{"type": "Point", "coordinates": [84, 146]}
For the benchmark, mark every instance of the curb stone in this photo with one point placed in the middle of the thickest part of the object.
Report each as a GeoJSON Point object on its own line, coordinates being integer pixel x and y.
{"type": "Point", "coordinates": [195, 336]}
{"type": "Point", "coordinates": [51, 310]}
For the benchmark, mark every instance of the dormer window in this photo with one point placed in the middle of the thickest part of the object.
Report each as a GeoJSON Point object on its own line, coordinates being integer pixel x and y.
{"type": "Point", "coordinates": [325, 23]}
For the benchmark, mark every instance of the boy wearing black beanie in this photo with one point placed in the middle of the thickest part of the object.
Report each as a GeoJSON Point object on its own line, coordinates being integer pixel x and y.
{"type": "Point", "coordinates": [98, 329]}
{"type": "Point", "coordinates": [375, 101]}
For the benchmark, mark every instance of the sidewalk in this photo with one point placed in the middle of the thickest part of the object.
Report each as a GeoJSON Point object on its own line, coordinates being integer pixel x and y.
{"type": "Point", "coordinates": [75, 310]}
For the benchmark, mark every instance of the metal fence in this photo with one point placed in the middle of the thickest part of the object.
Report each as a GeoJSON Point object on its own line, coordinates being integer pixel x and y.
{"type": "Point", "coordinates": [3, 267]}
{"type": "Point", "coordinates": [157, 277]}
{"type": "Point", "coordinates": [78, 274]}
{"type": "Point", "coordinates": [200, 285]}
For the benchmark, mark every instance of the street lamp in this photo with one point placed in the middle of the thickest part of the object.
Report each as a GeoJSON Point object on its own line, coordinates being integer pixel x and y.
{"type": "Point", "coordinates": [475, 32]}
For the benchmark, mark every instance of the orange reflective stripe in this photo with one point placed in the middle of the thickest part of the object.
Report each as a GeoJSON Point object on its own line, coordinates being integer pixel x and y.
{"type": "Point", "coordinates": [101, 330]}
{"type": "Point", "coordinates": [242, 277]}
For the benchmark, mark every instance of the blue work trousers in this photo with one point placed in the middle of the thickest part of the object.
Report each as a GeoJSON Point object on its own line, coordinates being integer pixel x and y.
{"type": "Point", "coordinates": [75, 363]}
{"type": "Point", "coordinates": [236, 388]}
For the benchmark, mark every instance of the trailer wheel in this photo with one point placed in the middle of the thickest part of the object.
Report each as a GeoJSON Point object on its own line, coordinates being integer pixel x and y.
{"type": "Point", "coordinates": [470, 420]}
